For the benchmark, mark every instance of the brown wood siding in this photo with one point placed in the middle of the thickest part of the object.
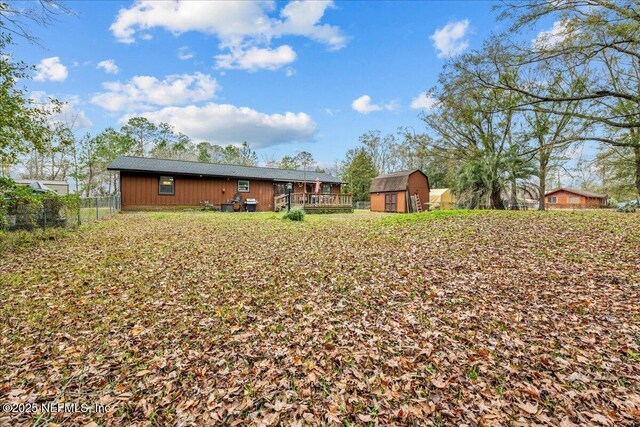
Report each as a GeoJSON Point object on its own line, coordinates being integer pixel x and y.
{"type": "Point", "coordinates": [140, 192]}
{"type": "Point", "coordinates": [418, 183]}
{"type": "Point", "coordinates": [402, 202]}
{"type": "Point", "coordinates": [563, 202]}
{"type": "Point", "coordinates": [378, 201]}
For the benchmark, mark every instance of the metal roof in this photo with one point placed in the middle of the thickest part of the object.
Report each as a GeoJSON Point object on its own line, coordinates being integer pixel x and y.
{"type": "Point", "coordinates": [578, 192]}
{"type": "Point", "coordinates": [396, 181]}
{"type": "Point", "coordinates": [182, 167]}
{"type": "Point", "coordinates": [42, 181]}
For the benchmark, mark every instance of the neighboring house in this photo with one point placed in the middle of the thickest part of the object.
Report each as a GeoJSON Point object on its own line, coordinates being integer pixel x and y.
{"type": "Point", "coordinates": [533, 204]}
{"type": "Point", "coordinates": [393, 192]}
{"type": "Point", "coordinates": [158, 184]}
{"type": "Point", "coordinates": [522, 204]}
{"type": "Point", "coordinates": [60, 187]}
{"type": "Point", "coordinates": [442, 198]}
{"type": "Point", "coordinates": [573, 198]}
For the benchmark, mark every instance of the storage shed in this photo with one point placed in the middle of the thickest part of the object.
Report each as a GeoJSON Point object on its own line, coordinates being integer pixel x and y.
{"type": "Point", "coordinates": [60, 187]}
{"type": "Point", "coordinates": [442, 198]}
{"type": "Point", "coordinates": [393, 192]}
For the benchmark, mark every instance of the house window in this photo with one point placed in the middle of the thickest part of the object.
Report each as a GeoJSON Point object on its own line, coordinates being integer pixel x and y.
{"type": "Point", "coordinates": [574, 200]}
{"type": "Point", "coordinates": [326, 189]}
{"type": "Point", "coordinates": [243, 186]}
{"type": "Point", "coordinates": [391, 202]}
{"type": "Point", "coordinates": [551, 200]}
{"type": "Point", "coordinates": [167, 186]}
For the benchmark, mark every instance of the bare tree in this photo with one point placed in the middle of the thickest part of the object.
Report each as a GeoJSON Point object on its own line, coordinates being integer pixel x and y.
{"type": "Point", "coordinates": [595, 46]}
{"type": "Point", "coordinates": [18, 17]}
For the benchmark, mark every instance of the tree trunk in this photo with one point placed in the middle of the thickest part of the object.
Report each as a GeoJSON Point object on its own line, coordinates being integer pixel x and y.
{"type": "Point", "coordinates": [89, 179]}
{"type": "Point", "coordinates": [542, 173]}
{"type": "Point", "coordinates": [514, 195]}
{"type": "Point", "coordinates": [496, 198]}
{"type": "Point", "coordinates": [636, 151]}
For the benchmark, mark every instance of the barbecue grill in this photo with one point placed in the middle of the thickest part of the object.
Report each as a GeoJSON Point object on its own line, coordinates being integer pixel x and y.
{"type": "Point", "coordinates": [250, 205]}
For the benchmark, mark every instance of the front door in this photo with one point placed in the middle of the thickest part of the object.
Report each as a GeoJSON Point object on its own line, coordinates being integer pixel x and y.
{"type": "Point", "coordinates": [391, 202]}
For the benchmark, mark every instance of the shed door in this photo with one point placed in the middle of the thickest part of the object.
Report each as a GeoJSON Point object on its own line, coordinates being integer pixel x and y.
{"type": "Point", "coordinates": [391, 202]}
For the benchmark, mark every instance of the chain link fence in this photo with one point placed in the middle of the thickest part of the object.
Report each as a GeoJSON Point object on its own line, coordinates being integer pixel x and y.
{"type": "Point", "coordinates": [52, 213]}
{"type": "Point", "coordinates": [95, 208]}
{"type": "Point", "coordinates": [362, 205]}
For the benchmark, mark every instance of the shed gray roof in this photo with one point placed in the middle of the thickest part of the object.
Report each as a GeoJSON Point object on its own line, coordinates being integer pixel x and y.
{"type": "Point", "coordinates": [578, 192]}
{"type": "Point", "coordinates": [182, 167]}
{"type": "Point", "coordinates": [397, 181]}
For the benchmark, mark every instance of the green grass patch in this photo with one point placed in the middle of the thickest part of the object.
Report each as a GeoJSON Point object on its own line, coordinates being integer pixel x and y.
{"type": "Point", "coordinates": [427, 216]}
{"type": "Point", "coordinates": [329, 211]}
{"type": "Point", "coordinates": [20, 239]}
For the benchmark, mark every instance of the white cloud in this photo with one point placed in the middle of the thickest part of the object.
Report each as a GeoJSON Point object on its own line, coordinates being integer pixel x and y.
{"type": "Point", "coordinates": [185, 53]}
{"type": "Point", "coordinates": [109, 66]}
{"type": "Point", "coordinates": [303, 17]}
{"type": "Point", "coordinates": [244, 28]}
{"type": "Point", "coordinates": [69, 113]}
{"type": "Point", "coordinates": [228, 124]}
{"type": "Point", "coordinates": [225, 19]}
{"type": "Point", "coordinates": [364, 105]}
{"type": "Point", "coordinates": [553, 37]}
{"type": "Point", "coordinates": [51, 69]}
{"type": "Point", "coordinates": [392, 105]}
{"type": "Point", "coordinates": [450, 40]}
{"type": "Point", "coordinates": [254, 58]}
{"type": "Point", "coordinates": [424, 101]}
{"type": "Point", "coordinates": [145, 92]}
{"type": "Point", "coordinates": [229, 20]}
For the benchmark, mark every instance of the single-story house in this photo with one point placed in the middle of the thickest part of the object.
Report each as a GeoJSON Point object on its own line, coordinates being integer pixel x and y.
{"type": "Point", "coordinates": [574, 198]}
{"type": "Point", "coordinates": [442, 198]}
{"type": "Point", "coordinates": [396, 192]}
{"type": "Point", "coordinates": [60, 187]}
{"type": "Point", "coordinates": [161, 184]}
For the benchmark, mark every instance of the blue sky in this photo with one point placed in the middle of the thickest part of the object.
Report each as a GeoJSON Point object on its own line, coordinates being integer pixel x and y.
{"type": "Point", "coordinates": [283, 76]}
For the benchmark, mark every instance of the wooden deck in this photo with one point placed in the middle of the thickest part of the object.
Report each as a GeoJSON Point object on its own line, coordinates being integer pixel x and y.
{"type": "Point", "coordinates": [311, 202]}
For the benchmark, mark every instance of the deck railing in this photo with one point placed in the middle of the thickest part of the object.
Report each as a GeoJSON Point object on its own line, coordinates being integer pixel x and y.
{"type": "Point", "coordinates": [312, 199]}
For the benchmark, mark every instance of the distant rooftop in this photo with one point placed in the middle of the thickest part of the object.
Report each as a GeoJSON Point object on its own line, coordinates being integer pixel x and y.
{"type": "Point", "coordinates": [578, 192]}
{"type": "Point", "coordinates": [182, 167]}
{"type": "Point", "coordinates": [42, 181]}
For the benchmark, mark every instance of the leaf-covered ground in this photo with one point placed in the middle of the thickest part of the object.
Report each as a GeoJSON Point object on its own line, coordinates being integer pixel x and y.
{"type": "Point", "coordinates": [492, 318]}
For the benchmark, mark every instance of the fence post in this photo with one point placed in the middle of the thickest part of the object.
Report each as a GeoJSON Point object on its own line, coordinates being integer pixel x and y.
{"type": "Point", "coordinates": [96, 202]}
